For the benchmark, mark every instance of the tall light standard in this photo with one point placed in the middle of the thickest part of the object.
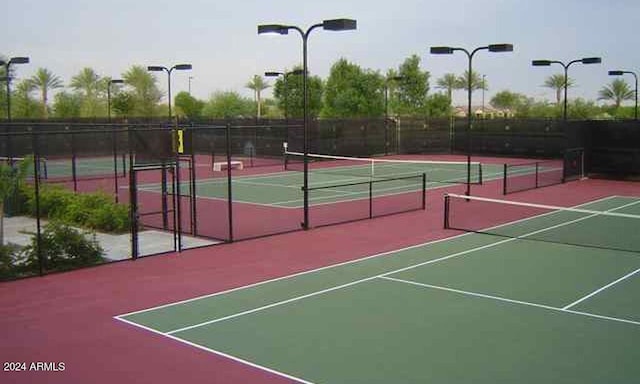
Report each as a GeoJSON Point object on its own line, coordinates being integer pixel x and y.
{"type": "Point", "coordinates": [329, 25]}
{"type": "Point", "coordinates": [546, 63]}
{"type": "Point", "coordinates": [484, 87]}
{"type": "Point", "coordinates": [620, 73]}
{"type": "Point", "coordinates": [190, 78]}
{"type": "Point", "coordinates": [285, 76]}
{"type": "Point", "coordinates": [450, 50]}
{"type": "Point", "coordinates": [158, 68]}
{"type": "Point", "coordinates": [111, 81]}
{"type": "Point", "coordinates": [7, 65]}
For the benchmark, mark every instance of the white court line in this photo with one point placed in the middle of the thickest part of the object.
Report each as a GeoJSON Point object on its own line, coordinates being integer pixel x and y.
{"type": "Point", "coordinates": [335, 288]}
{"type": "Point", "coordinates": [219, 353]}
{"type": "Point", "coordinates": [248, 363]}
{"type": "Point", "coordinates": [428, 243]}
{"type": "Point", "coordinates": [498, 298]}
{"type": "Point", "coordinates": [601, 289]}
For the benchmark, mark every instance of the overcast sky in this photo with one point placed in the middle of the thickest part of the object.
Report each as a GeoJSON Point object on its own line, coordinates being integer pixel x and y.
{"type": "Point", "coordinates": [220, 38]}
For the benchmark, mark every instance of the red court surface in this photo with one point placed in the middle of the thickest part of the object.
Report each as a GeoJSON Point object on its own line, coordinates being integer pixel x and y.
{"type": "Point", "coordinates": [68, 317]}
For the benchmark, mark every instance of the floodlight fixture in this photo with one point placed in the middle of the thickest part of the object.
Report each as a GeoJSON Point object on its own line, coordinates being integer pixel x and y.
{"type": "Point", "coordinates": [339, 25]}
{"type": "Point", "coordinates": [441, 50]}
{"type": "Point", "coordinates": [7, 64]}
{"type": "Point", "coordinates": [584, 60]}
{"type": "Point", "coordinates": [501, 48]}
{"type": "Point", "coordinates": [541, 63]}
{"type": "Point", "coordinates": [273, 28]}
{"type": "Point", "coordinates": [160, 68]}
{"type": "Point", "coordinates": [19, 60]}
{"type": "Point", "coordinates": [635, 76]}
{"type": "Point", "coordinates": [591, 60]}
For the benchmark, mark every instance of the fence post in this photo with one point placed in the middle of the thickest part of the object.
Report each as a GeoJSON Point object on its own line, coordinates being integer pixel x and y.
{"type": "Point", "coordinates": [36, 177]}
{"type": "Point", "coordinates": [133, 197]}
{"type": "Point", "coordinates": [504, 178]}
{"type": "Point", "coordinates": [424, 191]}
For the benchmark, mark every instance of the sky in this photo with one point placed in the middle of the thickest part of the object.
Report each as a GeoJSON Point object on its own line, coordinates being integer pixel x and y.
{"type": "Point", "coordinates": [219, 38]}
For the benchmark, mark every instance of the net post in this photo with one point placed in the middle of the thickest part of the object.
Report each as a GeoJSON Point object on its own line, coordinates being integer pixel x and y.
{"type": "Point", "coordinates": [565, 159]}
{"type": "Point", "coordinates": [504, 178]}
{"type": "Point", "coordinates": [581, 152]}
{"type": "Point", "coordinates": [370, 199]}
{"type": "Point", "coordinates": [229, 188]}
{"type": "Point", "coordinates": [446, 211]}
{"type": "Point", "coordinates": [480, 178]}
{"type": "Point", "coordinates": [424, 191]}
{"type": "Point", "coordinates": [194, 196]}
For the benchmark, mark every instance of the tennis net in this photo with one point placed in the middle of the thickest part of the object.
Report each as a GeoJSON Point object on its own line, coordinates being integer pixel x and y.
{"type": "Point", "coordinates": [610, 223]}
{"type": "Point", "coordinates": [375, 168]}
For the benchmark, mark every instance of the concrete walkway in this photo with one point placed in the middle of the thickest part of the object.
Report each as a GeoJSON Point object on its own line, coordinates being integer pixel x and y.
{"type": "Point", "coordinates": [116, 247]}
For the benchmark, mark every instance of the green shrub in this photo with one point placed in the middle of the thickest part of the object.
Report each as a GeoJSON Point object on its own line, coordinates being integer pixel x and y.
{"type": "Point", "coordinates": [10, 263]}
{"type": "Point", "coordinates": [63, 248]}
{"type": "Point", "coordinates": [88, 210]}
{"type": "Point", "coordinates": [53, 201]}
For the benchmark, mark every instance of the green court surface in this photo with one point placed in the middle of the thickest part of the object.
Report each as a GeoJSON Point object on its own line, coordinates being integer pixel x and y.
{"type": "Point", "coordinates": [84, 166]}
{"type": "Point", "coordinates": [283, 189]}
{"type": "Point", "coordinates": [475, 308]}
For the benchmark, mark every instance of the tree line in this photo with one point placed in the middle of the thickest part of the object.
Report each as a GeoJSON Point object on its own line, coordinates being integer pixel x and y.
{"type": "Point", "coordinates": [348, 91]}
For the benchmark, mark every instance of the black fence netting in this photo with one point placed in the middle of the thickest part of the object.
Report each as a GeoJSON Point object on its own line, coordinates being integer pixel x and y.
{"type": "Point", "coordinates": [143, 187]}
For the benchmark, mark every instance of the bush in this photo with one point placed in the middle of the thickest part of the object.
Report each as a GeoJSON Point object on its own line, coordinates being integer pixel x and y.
{"type": "Point", "coordinates": [63, 248]}
{"type": "Point", "coordinates": [10, 263]}
{"type": "Point", "coordinates": [88, 210]}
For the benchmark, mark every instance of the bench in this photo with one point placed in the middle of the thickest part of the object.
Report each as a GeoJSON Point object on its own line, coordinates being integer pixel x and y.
{"type": "Point", "coordinates": [219, 166]}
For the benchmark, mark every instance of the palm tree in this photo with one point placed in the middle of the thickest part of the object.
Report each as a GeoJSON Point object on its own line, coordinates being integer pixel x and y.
{"type": "Point", "coordinates": [618, 91]}
{"type": "Point", "coordinates": [448, 82]}
{"type": "Point", "coordinates": [24, 105]}
{"type": "Point", "coordinates": [556, 82]}
{"type": "Point", "coordinates": [476, 81]}
{"type": "Point", "coordinates": [257, 84]}
{"type": "Point", "coordinates": [145, 91]}
{"type": "Point", "coordinates": [90, 85]}
{"type": "Point", "coordinates": [45, 80]}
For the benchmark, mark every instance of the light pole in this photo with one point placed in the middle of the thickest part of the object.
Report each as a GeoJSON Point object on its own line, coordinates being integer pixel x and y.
{"type": "Point", "coordinates": [190, 78]}
{"type": "Point", "coordinates": [285, 76]}
{"type": "Point", "coordinates": [620, 73]}
{"type": "Point", "coordinates": [329, 25]}
{"type": "Point", "coordinates": [7, 65]}
{"type": "Point", "coordinates": [484, 86]}
{"type": "Point", "coordinates": [158, 68]}
{"type": "Point", "coordinates": [111, 81]}
{"type": "Point", "coordinates": [546, 63]}
{"type": "Point", "coordinates": [450, 50]}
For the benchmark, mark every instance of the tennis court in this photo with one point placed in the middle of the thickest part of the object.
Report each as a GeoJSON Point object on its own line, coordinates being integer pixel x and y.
{"type": "Point", "coordinates": [334, 181]}
{"type": "Point", "coordinates": [543, 295]}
